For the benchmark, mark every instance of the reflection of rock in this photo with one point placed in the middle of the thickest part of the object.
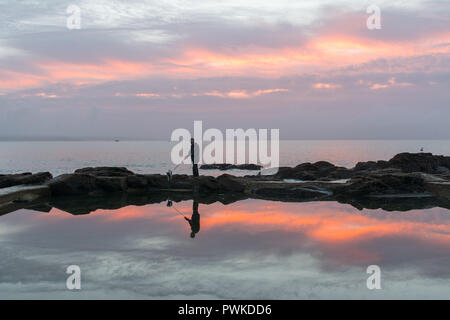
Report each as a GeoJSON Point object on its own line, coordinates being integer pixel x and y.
{"type": "Point", "coordinates": [227, 166]}
{"type": "Point", "coordinates": [79, 205]}
{"type": "Point", "coordinates": [401, 203]}
{"type": "Point", "coordinates": [18, 197]}
{"type": "Point", "coordinates": [27, 178]}
{"type": "Point", "coordinates": [290, 194]}
{"type": "Point", "coordinates": [14, 206]}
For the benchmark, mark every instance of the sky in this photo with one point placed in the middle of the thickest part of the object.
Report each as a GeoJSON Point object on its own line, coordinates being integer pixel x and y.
{"type": "Point", "coordinates": [140, 69]}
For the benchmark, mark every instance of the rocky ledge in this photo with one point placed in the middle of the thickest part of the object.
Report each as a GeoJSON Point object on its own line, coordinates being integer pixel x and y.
{"type": "Point", "coordinates": [405, 176]}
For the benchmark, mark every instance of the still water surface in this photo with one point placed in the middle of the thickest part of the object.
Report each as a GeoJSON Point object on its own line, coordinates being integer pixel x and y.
{"type": "Point", "coordinates": [249, 249]}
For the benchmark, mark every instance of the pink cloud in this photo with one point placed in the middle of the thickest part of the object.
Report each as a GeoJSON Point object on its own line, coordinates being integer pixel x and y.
{"type": "Point", "coordinates": [240, 94]}
{"type": "Point", "coordinates": [392, 82]}
{"type": "Point", "coordinates": [320, 85]}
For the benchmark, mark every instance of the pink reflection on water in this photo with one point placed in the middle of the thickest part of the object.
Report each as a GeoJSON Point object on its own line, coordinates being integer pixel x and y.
{"type": "Point", "coordinates": [336, 232]}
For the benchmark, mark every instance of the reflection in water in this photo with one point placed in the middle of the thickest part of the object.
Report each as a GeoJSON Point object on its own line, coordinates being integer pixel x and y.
{"type": "Point", "coordinates": [194, 221]}
{"type": "Point", "coordinates": [247, 249]}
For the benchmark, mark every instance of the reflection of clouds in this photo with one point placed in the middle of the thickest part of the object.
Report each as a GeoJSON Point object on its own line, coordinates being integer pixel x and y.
{"type": "Point", "coordinates": [256, 249]}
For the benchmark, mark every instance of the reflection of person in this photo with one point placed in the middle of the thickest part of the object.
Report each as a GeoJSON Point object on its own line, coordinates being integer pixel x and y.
{"type": "Point", "coordinates": [195, 151]}
{"type": "Point", "coordinates": [194, 221]}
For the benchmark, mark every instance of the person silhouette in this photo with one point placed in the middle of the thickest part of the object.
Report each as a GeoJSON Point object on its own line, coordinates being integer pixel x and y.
{"type": "Point", "coordinates": [194, 221]}
{"type": "Point", "coordinates": [195, 152]}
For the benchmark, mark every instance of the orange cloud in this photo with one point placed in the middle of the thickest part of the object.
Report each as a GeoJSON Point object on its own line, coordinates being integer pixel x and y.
{"type": "Point", "coordinates": [326, 85]}
{"type": "Point", "coordinates": [321, 54]}
{"type": "Point", "coordinates": [390, 83]}
{"type": "Point", "coordinates": [240, 94]}
{"type": "Point", "coordinates": [140, 95]}
{"type": "Point", "coordinates": [41, 95]}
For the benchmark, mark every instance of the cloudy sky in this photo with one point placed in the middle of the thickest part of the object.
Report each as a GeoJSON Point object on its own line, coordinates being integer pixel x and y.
{"type": "Point", "coordinates": [140, 69]}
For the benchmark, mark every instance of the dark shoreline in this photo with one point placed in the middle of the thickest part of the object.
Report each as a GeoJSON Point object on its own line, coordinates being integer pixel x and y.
{"type": "Point", "coordinates": [405, 182]}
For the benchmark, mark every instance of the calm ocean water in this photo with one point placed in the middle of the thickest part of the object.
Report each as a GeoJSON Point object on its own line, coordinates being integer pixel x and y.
{"type": "Point", "coordinates": [250, 249]}
{"type": "Point", "coordinates": [154, 156]}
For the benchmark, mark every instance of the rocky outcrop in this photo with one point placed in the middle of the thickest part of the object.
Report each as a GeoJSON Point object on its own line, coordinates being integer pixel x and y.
{"type": "Point", "coordinates": [27, 178]}
{"type": "Point", "coordinates": [410, 162]}
{"type": "Point", "coordinates": [106, 171]}
{"type": "Point", "coordinates": [396, 176]}
{"type": "Point", "coordinates": [72, 184]}
{"type": "Point", "coordinates": [383, 184]}
{"type": "Point", "coordinates": [320, 170]}
{"type": "Point", "coordinates": [404, 176]}
{"type": "Point", "coordinates": [23, 193]}
{"type": "Point", "coordinates": [107, 179]}
{"type": "Point", "coordinates": [227, 166]}
{"type": "Point", "coordinates": [402, 162]}
{"type": "Point", "coordinates": [229, 183]}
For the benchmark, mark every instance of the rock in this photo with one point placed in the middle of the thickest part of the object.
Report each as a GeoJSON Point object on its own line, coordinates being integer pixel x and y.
{"type": "Point", "coordinates": [112, 184]}
{"type": "Point", "coordinates": [419, 162]}
{"type": "Point", "coordinates": [215, 166]}
{"type": "Point", "coordinates": [321, 170]}
{"type": "Point", "coordinates": [72, 184]}
{"type": "Point", "coordinates": [339, 173]}
{"type": "Point", "coordinates": [404, 175]}
{"type": "Point", "coordinates": [23, 193]}
{"type": "Point", "coordinates": [227, 166]}
{"type": "Point", "coordinates": [230, 183]}
{"type": "Point", "coordinates": [26, 178]}
{"type": "Point", "coordinates": [324, 165]}
{"type": "Point", "coordinates": [106, 171]}
{"type": "Point", "coordinates": [249, 166]}
{"type": "Point", "coordinates": [206, 184]}
{"type": "Point", "coordinates": [371, 165]}
{"type": "Point", "coordinates": [181, 181]}
{"type": "Point", "coordinates": [442, 170]}
{"type": "Point", "coordinates": [383, 184]}
{"type": "Point", "coordinates": [137, 182]}
{"type": "Point", "coordinates": [157, 181]}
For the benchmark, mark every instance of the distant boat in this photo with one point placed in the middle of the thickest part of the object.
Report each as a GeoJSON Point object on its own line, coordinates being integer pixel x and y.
{"type": "Point", "coordinates": [116, 140]}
